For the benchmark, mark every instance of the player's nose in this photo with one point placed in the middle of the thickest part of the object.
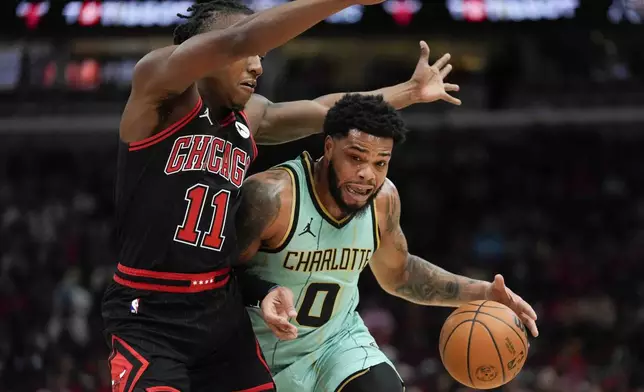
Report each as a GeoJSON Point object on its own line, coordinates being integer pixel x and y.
{"type": "Point", "coordinates": [255, 66]}
{"type": "Point", "coordinates": [366, 174]}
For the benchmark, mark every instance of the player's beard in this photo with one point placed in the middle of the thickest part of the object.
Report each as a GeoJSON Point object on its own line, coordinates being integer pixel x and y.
{"type": "Point", "coordinates": [336, 193]}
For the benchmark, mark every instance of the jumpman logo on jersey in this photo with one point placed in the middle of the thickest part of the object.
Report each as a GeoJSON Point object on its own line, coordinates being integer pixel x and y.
{"type": "Point", "coordinates": [307, 229]}
{"type": "Point", "coordinates": [206, 114]}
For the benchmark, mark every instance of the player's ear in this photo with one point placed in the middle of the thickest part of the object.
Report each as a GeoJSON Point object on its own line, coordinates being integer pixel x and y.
{"type": "Point", "coordinates": [329, 144]}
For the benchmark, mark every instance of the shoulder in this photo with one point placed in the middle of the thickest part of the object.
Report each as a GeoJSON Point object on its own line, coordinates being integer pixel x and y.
{"type": "Point", "coordinates": [276, 179]}
{"type": "Point", "coordinates": [271, 189]}
{"type": "Point", "coordinates": [388, 206]}
{"type": "Point", "coordinates": [266, 209]}
{"type": "Point", "coordinates": [387, 196]}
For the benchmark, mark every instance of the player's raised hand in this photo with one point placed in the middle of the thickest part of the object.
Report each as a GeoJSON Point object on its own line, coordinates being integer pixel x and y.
{"type": "Point", "coordinates": [499, 292]}
{"type": "Point", "coordinates": [277, 307]}
{"type": "Point", "coordinates": [429, 79]}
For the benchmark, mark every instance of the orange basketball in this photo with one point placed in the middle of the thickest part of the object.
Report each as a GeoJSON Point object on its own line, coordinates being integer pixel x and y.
{"type": "Point", "coordinates": [483, 344]}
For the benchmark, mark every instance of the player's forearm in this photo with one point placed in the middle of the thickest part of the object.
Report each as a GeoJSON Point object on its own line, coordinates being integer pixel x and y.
{"type": "Point", "coordinates": [276, 26]}
{"type": "Point", "coordinates": [287, 134]}
{"type": "Point", "coordinates": [399, 96]}
{"type": "Point", "coordinates": [252, 287]}
{"type": "Point", "coordinates": [427, 284]}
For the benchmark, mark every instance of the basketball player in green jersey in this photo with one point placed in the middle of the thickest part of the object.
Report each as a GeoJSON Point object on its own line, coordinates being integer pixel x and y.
{"type": "Point", "coordinates": [313, 226]}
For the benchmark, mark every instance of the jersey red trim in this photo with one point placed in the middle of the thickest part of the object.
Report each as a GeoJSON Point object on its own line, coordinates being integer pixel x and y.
{"type": "Point", "coordinates": [156, 138]}
{"type": "Point", "coordinates": [261, 356]}
{"type": "Point", "coordinates": [172, 275]}
{"type": "Point", "coordinates": [162, 389]}
{"type": "Point", "coordinates": [252, 138]}
{"type": "Point", "coordinates": [184, 283]}
{"type": "Point", "coordinates": [269, 386]}
{"type": "Point", "coordinates": [227, 120]}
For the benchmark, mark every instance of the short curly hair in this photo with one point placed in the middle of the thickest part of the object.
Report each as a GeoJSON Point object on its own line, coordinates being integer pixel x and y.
{"type": "Point", "coordinates": [367, 113]}
{"type": "Point", "coordinates": [203, 15]}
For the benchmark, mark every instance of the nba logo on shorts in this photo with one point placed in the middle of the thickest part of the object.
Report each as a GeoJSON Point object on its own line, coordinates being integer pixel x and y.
{"type": "Point", "coordinates": [134, 306]}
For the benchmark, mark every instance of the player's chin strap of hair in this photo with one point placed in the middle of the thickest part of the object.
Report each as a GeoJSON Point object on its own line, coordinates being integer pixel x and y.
{"type": "Point", "coordinates": [253, 288]}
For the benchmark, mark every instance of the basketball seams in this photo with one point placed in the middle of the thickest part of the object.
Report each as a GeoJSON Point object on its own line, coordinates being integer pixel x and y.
{"type": "Point", "coordinates": [469, 343]}
{"type": "Point", "coordinates": [496, 346]}
{"type": "Point", "coordinates": [465, 356]}
{"type": "Point", "coordinates": [525, 348]}
{"type": "Point", "coordinates": [452, 333]}
{"type": "Point", "coordinates": [493, 307]}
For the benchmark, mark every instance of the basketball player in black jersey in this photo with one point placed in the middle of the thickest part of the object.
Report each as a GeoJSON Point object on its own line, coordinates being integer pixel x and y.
{"type": "Point", "coordinates": [174, 314]}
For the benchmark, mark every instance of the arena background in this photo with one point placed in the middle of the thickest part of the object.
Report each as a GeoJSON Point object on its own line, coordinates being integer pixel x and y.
{"type": "Point", "coordinates": [538, 175]}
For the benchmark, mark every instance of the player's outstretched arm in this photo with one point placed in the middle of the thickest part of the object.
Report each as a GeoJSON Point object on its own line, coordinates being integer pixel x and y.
{"type": "Point", "coordinates": [417, 280]}
{"type": "Point", "coordinates": [172, 70]}
{"type": "Point", "coordinates": [275, 123]}
{"type": "Point", "coordinates": [408, 276]}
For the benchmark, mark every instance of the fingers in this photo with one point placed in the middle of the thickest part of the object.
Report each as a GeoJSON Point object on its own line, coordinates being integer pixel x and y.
{"type": "Point", "coordinates": [499, 281]}
{"type": "Point", "coordinates": [499, 285]}
{"type": "Point", "coordinates": [441, 62]}
{"type": "Point", "coordinates": [286, 301]}
{"type": "Point", "coordinates": [445, 71]}
{"type": "Point", "coordinates": [451, 87]}
{"type": "Point", "coordinates": [424, 52]}
{"type": "Point", "coordinates": [530, 324]}
{"type": "Point", "coordinates": [277, 308]}
{"type": "Point", "coordinates": [448, 98]}
{"type": "Point", "coordinates": [279, 325]}
{"type": "Point", "coordinates": [528, 310]}
{"type": "Point", "coordinates": [284, 333]}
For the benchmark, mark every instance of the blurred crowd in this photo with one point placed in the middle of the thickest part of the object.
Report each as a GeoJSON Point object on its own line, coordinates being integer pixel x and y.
{"type": "Point", "coordinates": [559, 212]}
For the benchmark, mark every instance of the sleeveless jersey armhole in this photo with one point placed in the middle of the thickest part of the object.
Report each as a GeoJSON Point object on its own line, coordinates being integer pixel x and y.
{"type": "Point", "coordinates": [376, 227]}
{"type": "Point", "coordinates": [169, 131]}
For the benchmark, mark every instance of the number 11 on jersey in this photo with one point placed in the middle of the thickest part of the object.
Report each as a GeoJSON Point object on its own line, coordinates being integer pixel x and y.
{"type": "Point", "coordinates": [188, 232]}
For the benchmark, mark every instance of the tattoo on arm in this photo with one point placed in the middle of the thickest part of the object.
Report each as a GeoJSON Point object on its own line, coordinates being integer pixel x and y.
{"type": "Point", "coordinates": [423, 282]}
{"type": "Point", "coordinates": [428, 284]}
{"type": "Point", "coordinates": [260, 206]}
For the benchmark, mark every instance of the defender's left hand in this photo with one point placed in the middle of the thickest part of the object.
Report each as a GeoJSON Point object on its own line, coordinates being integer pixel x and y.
{"type": "Point", "coordinates": [428, 80]}
{"type": "Point", "coordinates": [498, 292]}
{"type": "Point", "coordinates": [277, 307]}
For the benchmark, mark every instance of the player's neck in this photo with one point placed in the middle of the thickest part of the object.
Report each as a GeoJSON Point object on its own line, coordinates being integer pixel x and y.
{"type": "Point", "coordinates": [218, 109]}
{"type": "Point", "coordinates": [321, 185]}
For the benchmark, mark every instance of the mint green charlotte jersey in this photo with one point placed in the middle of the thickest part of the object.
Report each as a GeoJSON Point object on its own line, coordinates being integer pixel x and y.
{"type": "Point", "coordinates": [320, 259]}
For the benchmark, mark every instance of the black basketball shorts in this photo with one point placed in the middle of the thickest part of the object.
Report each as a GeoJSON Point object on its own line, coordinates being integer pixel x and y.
{"type": "Point", "coordinates": [139, 365]}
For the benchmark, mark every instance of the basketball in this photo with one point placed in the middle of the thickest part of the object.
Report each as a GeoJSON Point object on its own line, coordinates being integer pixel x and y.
{"type": "Point", "coordinates": [483, 344]}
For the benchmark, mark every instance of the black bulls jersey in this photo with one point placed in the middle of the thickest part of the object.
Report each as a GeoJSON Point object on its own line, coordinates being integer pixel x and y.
{"type": "Point", "coordinates": [177, 193]}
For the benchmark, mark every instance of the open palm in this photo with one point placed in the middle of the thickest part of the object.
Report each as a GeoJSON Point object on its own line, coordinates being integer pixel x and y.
{"type": "Point", "coordinates": [429, 79]}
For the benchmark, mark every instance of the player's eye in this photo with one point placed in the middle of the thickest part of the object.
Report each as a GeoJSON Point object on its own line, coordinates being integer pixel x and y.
{"type": "Point", "coordinates": [356, 158]}
{"type": "Point", "coordinates": [381, 164]}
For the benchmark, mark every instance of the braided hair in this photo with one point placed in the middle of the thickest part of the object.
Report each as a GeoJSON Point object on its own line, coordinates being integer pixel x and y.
{"type": "Point", "coordinates": [203, 15]}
